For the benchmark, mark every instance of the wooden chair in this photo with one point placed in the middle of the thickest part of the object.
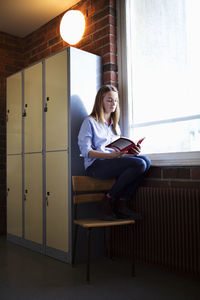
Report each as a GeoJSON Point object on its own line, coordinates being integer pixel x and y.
{"type": "Point", "coordinates": [87, 189]}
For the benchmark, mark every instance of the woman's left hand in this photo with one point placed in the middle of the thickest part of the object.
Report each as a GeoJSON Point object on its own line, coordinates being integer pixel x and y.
{"type": "Point", "coordinates": [135, 151]}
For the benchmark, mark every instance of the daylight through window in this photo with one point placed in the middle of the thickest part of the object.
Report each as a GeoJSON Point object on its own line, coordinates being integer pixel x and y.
{"type": "Point", "coordinates": [164, 72]}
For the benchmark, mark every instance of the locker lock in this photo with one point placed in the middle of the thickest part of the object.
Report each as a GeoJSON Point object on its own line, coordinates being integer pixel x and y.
{"type": "Point", "coordinates": [47, 202]}
{"type": "Point", "coordinates": [24, 113]}
{"type": "Point", "coordinates": [7, 115]}
{"type": "Point", "coordinates": [45, 107]}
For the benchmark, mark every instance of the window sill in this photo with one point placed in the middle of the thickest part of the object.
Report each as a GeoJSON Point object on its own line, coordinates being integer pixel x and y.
{"type": "Point", "coordinates": [175, 159]}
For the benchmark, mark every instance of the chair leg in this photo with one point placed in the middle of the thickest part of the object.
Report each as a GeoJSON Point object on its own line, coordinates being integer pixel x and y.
{"type": "Point", "coordinates": [107, 241]}
{"type": "Point", "coordinates": [132, 251]}
{"type": "Point", "coordinates": [110, 243]}
{"type": "Point", "coordinates": [89, 254]}
{"type": "Point", "coordinates": [74, 245]}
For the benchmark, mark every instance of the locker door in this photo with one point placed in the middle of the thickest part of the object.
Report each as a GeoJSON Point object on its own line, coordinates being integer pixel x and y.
{"type": "Point", "coordinates": [33, 202]}
{"type": "Point", "coordinates": [56, 101]}
{"type": "Point", "coordinates": [33, 108]}
{"type": "Point", "coordinates": [14, 195]}
{"type": "Point", "coordinates": [57, 200]}
{"type": "Point", "coordinates": [14, 114]}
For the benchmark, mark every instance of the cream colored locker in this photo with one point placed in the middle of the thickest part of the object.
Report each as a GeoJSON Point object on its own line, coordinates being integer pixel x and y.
{"type": "Point", "coordinates": [33, 212]}
{"type": "Point", "coordinates": [32, 110]}
{"type": "Point", "coordinates": [56, 102]}
{"type": "Point", "coordinates": [57, 229]}
{"type": "Point", "coordinates": [14, 195]}
{"type": "Point", "coordinates": [14, 114]}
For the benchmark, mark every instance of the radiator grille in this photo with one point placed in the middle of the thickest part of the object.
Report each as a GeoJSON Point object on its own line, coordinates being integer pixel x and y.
{"type": "Point", "coordinates": [169, 233]}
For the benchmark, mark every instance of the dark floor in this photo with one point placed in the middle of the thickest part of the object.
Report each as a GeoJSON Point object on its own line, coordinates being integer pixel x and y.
{"type": "Point", "coordinates": [28, 275]}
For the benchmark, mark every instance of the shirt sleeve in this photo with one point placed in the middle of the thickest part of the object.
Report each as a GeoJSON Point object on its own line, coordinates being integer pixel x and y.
{"type": "Point", "coordinates": [85, 137]}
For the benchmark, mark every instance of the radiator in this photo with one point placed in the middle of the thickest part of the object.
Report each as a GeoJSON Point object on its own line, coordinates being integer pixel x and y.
{"type": "Point", "coordinates": [169, 233]}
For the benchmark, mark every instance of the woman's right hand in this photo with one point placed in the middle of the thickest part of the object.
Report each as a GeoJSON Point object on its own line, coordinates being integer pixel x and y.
{"type": "Point", "coordinates": [105, 155]}
{"type": "Point", "coordinates": [115, 154]}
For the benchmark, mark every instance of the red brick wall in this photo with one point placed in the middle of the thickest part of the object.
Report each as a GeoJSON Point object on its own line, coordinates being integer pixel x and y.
{"type": "Point", "coordinates": [188, 177]}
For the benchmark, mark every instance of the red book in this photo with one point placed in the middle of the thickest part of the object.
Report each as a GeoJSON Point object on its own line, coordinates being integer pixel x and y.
{"type": "Point", "coordinates": [124, 145]}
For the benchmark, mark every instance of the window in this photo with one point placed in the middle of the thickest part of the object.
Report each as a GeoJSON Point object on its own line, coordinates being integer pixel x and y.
{"type": "Point", "coordinates": [159, 70]}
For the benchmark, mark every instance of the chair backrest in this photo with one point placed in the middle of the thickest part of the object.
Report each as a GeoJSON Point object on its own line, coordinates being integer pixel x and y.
{"type": "Point", "coordinates": [88, 189]}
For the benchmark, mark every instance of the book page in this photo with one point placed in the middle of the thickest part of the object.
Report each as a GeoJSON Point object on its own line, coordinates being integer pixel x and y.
{"type": "Point", "coordinates": [121, 143]}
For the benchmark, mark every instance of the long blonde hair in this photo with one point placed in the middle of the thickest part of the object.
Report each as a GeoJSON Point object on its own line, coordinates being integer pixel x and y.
{"type": "Point", "coordinates": [98, 111]}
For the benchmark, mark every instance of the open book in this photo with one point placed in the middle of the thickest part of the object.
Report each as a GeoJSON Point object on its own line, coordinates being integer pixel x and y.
{"type": "Point", "coordinates": [124, 145]}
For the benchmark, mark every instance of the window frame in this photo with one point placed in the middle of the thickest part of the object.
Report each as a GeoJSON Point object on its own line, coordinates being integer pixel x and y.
{"type": "Point", "coordinates": [191, 158]}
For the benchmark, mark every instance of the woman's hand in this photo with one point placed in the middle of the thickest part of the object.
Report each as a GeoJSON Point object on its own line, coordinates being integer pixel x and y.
{"type": "Point", "coordinates": [115, 154]}
{"type": "Point", "coordinates": [135, 150]}
{"type": "Point", "coordinates": [109, 155]}
{"type": "Point", "coordinates": [105, 155]}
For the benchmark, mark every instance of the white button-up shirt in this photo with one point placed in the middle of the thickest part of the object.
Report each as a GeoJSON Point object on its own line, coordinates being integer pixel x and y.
{"type": "Point", "coordinates": [94, 135]}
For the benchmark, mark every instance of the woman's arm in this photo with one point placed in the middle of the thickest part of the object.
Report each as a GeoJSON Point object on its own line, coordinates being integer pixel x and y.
{"type": "Point", "coordinates": [109, 155]}
{"type": "Point", "coordinates": [105, 155]}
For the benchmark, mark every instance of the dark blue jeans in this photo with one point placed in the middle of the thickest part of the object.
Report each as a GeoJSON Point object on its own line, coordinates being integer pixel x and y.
{"type": "Point", "coordinates": [128, 171]}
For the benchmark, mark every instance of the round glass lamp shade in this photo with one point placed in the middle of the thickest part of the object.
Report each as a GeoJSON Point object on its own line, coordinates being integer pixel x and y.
{"type": "Point", "coordinates": [72, 26]}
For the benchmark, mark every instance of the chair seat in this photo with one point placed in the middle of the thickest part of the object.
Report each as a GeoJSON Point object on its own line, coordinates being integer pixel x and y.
{"type": "Point", "coordinates": [89, 223]}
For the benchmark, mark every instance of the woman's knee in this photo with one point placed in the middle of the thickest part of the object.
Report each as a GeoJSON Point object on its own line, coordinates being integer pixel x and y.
{"type": "Point", "coordinates": [138, 164]}
{"type": "Point", "coordinates": [147, 161]}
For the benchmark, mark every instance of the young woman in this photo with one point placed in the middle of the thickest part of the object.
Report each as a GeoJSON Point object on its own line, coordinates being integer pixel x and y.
{"type": "Point", "coordinates": [97, 131]}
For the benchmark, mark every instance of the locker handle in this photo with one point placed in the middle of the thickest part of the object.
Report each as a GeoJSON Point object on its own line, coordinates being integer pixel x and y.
{"type": "Point", "coordinates": [26, 192]}
{"type": "Point", "coordinates": [24, 113]}
{"type": "Point", "coordinates": [45, 108]}
{"type": "Point", "coordinates": [47, 202]}
{"type": "Point", "coordinates": [7, 115]}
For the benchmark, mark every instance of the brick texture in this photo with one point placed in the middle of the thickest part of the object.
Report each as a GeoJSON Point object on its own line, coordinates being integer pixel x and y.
{"type": "Point", "coordinates": [188, 177]}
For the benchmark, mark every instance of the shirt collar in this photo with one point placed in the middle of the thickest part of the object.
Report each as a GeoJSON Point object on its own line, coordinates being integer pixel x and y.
{"type": "Point", "coordinates": [105, 122]}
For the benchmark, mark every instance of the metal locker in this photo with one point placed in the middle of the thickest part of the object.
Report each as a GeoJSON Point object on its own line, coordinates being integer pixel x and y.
{"type": "Point", "coordinates": [14, 195]}
{"type": "Point", "coordinates": [57, 220]}
{"type": "Point", "coordinates": [56, 104]}
{"type": "Point", "coordinates": [56, 94]}
{"type": "Point", "coordinates": [32, 110]}
{"type": "Point", "coordinates": [33, 198]}
{"type": "Point", "coordinates": [14, 114]}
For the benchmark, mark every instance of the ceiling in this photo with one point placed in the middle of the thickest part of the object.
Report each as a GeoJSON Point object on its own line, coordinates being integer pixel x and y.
{"type": "Point", "coordinates": [22, 17]}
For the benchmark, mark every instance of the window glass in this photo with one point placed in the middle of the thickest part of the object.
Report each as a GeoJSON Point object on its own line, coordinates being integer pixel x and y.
{"type": "Point", "coordinates": [165, 70]}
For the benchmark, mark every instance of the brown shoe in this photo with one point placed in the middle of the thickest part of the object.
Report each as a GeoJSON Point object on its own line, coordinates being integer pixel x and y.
{"type": "Point", "coordinates": [123, 212]}
{"type": "Point", "coordinates": [107, 209]}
